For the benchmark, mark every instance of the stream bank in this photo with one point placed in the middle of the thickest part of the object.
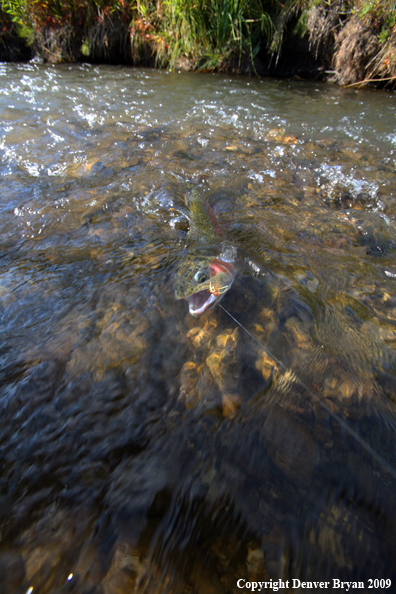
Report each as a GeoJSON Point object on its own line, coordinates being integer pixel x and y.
{"type": "Point", "coordinates": [348, 43]}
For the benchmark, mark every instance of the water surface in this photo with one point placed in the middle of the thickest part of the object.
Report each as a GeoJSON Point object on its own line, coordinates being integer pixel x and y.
{"type": "Point", "coordinates": [142, 449]}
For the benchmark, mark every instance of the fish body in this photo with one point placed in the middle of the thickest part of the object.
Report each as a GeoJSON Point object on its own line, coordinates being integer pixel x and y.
{"type": "Point", "coordinates": [206, 275]}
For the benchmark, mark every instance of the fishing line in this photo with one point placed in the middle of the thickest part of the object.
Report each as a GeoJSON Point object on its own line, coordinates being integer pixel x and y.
{"type": "Point", "coordinates": [334, 415]}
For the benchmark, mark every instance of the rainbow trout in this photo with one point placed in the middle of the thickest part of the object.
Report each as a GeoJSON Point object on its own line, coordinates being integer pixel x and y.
{"type": "Point", "coordinates": [207, 273]}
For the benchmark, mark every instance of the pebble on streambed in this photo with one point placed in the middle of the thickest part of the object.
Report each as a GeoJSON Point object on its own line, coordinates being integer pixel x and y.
{"type": "Point", "coordinates": [219, 369]}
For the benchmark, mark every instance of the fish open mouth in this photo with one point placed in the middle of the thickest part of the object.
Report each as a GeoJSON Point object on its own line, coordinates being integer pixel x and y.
{"type": "Point", "coordinates": [199, 302]}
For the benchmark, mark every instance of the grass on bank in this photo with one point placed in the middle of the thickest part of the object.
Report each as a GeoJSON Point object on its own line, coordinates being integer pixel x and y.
{"type": "Point", "coordinates": [204, 32]}
{"type": "Point", "coordinates": [212, 32]}
{"type": "Point", "coordinates": [356, 38]}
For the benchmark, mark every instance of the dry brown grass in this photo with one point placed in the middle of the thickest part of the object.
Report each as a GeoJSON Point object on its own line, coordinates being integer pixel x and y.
{"type": "Point", "coordinates": [356, 47]}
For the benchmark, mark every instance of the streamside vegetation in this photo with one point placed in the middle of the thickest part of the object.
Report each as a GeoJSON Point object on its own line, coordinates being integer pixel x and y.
{"type": "Point", "coordinates": [348, 41]}
{"type": "Point", "coordinates": [354, 40]}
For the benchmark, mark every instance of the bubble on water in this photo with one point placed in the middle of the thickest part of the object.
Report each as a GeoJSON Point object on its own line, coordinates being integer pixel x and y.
{"type": "Point", "coordinates": [260, 175]}
{"type": "Point", "coordinates": [32, 169]}
{"type": "Point", "coordinates": [257, 177]}
{"type": "Point", "coordinates": [334, 177]}
{"type": "Point", "coordinates": [203, 141]}
{"type": "Point", "coordinates": [392, 138]}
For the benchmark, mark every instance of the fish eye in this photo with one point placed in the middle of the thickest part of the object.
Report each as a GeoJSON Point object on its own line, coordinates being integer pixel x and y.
{"type": "Point", "coordinates": [201, 276]}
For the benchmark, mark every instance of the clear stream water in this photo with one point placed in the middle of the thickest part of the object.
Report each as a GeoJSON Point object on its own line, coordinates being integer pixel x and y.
{"type": "Point", "coordinates": [142, 449]}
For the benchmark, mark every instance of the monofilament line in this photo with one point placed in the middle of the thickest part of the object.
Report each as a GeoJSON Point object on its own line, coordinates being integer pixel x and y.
{"type": "Point", "coordinates": [317, 399]}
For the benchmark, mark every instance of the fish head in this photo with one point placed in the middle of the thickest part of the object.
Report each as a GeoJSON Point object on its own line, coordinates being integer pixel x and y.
{"type": "Point", "coordinates": [203, 281]}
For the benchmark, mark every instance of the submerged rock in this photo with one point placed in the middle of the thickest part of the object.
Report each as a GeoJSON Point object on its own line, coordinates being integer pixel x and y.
{"type": "Point", "coordinates": [290, 445]}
